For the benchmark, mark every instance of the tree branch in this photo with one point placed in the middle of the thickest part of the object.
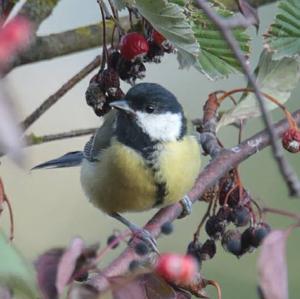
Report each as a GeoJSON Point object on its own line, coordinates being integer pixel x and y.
{"type": "Point", "coordinates": [226, 160]}
{"type": "Point", "coordinates": [67, 42]}
{"type": "Point", "coordinates": [37, 10]}
{"type": "Point", "coordinates": [51, 100]}
{"type": "Point", "coordinates": [286, 170]}
{"type": "Point", "coordinates": [34, 140]}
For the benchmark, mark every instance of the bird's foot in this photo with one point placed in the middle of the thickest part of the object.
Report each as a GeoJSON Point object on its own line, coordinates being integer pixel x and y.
{"type": "Point", "coordinates": [144, 236]}
{"type": "Point", "coordinates": [186, 207]}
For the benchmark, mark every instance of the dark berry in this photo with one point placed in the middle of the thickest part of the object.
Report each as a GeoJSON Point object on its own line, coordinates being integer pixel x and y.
{"type": "Point", "coordinates": [133, 265]}
{"type": "Point", "coordinates": [133, 45]}
{"type": "Point", "coordinates": [113, 59]}
{"type": "Point", "coordinates": [214, 227]}
{"type": "Point", "coordinates": [194, 249]}
{"type": "Point", "coordinates": [82, 277]}
{"type": "Point", "coordinates": [154, 54]}
{"type": "Point", "coordinates": [224, 214]}
{"type": "Point", "coordinates": [240, 216]}
{"type": "Point", "coordinates": [157, 38]}
{"type": "Point", "coordinates": [110, 80]}
{"type": "Point", "coordinates": [259, 233]}
{"type": "Point", "coordinates": [291, 140]}
{"type": "Point", "coordinates": [112, 240]}
{"type": "Point", "coordinates": [141, 249]}
{"type": "Point", "coordinates": [247, 237]}
{"type": "Point", "coordinates": [167, 228]}
{"type": "Point", "coordinates": [96, 98]}
{"type": "Point", "coordinates": [231, 242]}
{"type": "Point", "coordinates": [208, 250]}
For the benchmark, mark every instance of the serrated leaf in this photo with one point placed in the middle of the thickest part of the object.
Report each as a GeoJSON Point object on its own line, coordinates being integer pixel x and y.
{"type": "Point", "coordinates": [277, 78]}
{"type": "Point", "coordinates": [15, 273]}
{"type": "Point", "coordinates": [168, 19]}
{"type": "Point", "coordinates": [216, 60]}
{"type": "Point", "coordinates": [283, 37]}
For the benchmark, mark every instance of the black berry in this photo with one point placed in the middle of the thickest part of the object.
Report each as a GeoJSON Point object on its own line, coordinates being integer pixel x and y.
{"type": "Point", "coordinates": [133, 265]}
{"type": "Point", "coordinates": [231, 242]}
{"type": "Point", "coordinates": [240, 216]}
{"type": "Point", "coordinates": [112, 240]}
{"type": "Point", "coordinates": [141, 249]}
{"type": "Point", "coordinates": [208, 250]}
{"type": "Point", "coordinates": [194, 249]}
{"type": "Point", "coordinates": [259, 233]}
{"type": "Point", "coordinates": [214, 227]}
{"type": "Point", "coordinates": [167, 228]}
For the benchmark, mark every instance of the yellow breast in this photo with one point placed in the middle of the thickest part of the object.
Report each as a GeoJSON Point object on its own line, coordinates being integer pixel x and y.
{"type": "Point", "coordinates": [121, 180]}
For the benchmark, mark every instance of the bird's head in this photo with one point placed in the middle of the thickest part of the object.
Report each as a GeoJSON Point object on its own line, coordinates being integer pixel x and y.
{"type": "Point", "coordinates": [155, 110]}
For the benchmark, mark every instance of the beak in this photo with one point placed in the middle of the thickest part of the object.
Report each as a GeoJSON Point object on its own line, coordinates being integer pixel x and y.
{"type": "Point", "coordinates": [122, 105]}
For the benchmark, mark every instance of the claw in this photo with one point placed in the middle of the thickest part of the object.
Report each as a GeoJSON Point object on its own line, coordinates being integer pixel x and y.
{"type": "Point", "coordinates": [186, 207]}
{"type": "Point", "coordinates": [144, 236]}
{"type": "Point", "coordinates": [138, 233]}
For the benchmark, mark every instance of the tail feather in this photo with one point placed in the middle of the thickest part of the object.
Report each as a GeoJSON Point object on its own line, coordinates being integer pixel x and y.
{"type": "Point", "coordinates": [68, 160]}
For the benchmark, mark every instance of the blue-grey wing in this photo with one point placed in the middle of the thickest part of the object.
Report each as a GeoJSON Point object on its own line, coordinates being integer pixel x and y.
{"type": "Point", "coordinates": [99, 141]}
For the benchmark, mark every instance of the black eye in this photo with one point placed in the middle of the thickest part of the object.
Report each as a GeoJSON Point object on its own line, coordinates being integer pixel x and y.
{"type": "Point", "coordinates": [149, 109]}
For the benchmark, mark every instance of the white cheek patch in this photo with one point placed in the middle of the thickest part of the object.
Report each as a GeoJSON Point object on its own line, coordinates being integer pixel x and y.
{"type": "Point", "coordinates": [164, 127]}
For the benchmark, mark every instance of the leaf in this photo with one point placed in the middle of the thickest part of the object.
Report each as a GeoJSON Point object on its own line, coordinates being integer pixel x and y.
{"type": "Point", "coordinates": [121, 4]}
{"type": "Point", "coordinates": [10, 133]}
{"type": "Point", "coordinates": [272, 266]}
{"type": "Point", "coordinates": [283, 37]}
{"type": "Point", "coordinates": [15, 274]}
{"type": "Point", "coordinates": [275, 77]}
{"type": "Point", "coordinates": [67, 264]}
{"type": "Point", "coordinates": [168, 19]}
{"type": "Point", "coordinates": [144, 286]}
{"type": "Point", "coordinates": [81, 291]}
{"type": "Point", "coordinates": [249, 12]}
{"type": "Point", "coordinates": [216, 60]}
{"type": "Point", "coordinates": [46, 267]}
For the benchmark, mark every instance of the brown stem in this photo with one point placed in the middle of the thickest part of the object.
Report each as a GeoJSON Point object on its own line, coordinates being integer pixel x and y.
{"type": "Point", "coordinates": [51, 100]}
{"type": "Point", "coordinates": [34, 140]}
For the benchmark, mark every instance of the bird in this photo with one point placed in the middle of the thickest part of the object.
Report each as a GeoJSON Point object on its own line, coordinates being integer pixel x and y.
{"type": "Point", "coordinates": [142, 157]}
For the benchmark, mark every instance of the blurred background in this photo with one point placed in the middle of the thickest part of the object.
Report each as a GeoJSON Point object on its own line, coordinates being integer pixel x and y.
{"type": "Point", "coordinates": [50, 207]}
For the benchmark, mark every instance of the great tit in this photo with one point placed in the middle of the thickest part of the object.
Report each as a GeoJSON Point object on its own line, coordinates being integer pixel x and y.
{"type": "Point", "coordinates": [140, 158]}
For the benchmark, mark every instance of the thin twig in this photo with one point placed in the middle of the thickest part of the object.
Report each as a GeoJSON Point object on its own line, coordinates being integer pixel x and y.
{"type": "Point", "coordinates": [35, 140]}
{"type": "Point", "coordinates": [218, 167]}
{"type": "Point", "coordinates": [51, 100]}
{"type": "Point", "coordinates": [225, 27]}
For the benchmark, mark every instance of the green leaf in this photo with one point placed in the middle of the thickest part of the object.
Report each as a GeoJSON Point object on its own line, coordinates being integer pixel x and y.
{"type": "Point", "coordinates": [216, 59]}
{"type": "Point", "coordinates": [168, 19]}
{"type": "Point", "coordinates": [275, 77]}
{"type": "Point", "coordinates": [283, 37]}
{"type": "Point", "coordinates": [15, 273]}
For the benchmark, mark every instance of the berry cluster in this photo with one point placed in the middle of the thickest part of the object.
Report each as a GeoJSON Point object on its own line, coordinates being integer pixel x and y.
{"type": "Point", "coordinates": [126, 62]}
{"type": "Point", "coordinates": [233, 210]}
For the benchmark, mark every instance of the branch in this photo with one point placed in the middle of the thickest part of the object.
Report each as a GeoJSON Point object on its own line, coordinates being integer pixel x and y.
{"type": "Point", "coordinates": [51, 100]}
{"type": "Point", "coordinates": [67, 42]}
{"type": "Point", "coordinates": [34, 140]}
{"type": "Point", "coordinates": [233, 5]}
{"type": "Point", "coordinates": [225, 27]}
{"type": "Point", "coordinates": [37, 11]}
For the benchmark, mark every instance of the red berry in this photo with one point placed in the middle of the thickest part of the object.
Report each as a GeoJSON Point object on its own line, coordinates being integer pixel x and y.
{"type": "Point", "coordinates": [291, 140]}
{"type": "Point", "coordinates": [177, 268]}
{"type": "Point", "coordinates": [157, 37]}
{"type": "Point", "coordinates": [132, 45]}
